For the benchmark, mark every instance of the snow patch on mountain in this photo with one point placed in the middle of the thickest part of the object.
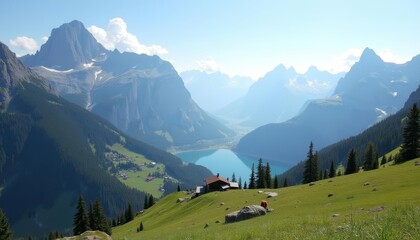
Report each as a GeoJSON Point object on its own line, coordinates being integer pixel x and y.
{"type": "Point", "coordinates": [57, 71]}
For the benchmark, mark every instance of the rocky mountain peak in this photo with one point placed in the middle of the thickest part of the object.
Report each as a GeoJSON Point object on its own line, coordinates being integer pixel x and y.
{"type": "Point", "coordinates": [369, 56]}
{"type": "Point", "coordinates": [69, 46]}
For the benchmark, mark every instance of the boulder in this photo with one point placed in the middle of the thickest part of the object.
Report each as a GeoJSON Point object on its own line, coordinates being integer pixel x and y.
{"type": "Point", "coordinates": [311, 183]}
{"type": "Point", "coordinates": [377, 209]}
{"type": "Point", "coordinates": [366, 184]}
{"type": "Point", "coordinates": [245, 213]}
{"type": "Point", "coordinates": [330, 194]}
{"type": "Point", "coordinates": [417, 163]}
{"type": "Point", "coordinates": [180, 200]}
{"type": "Point", "coordinates": [271, 194]}
{"type": "Point", "coordinates": [335, 215]}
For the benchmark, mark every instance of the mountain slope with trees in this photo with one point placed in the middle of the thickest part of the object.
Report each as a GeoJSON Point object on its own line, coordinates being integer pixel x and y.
{"type": "Point", "coordinates": [384, 136]}
{"type": "Point", "coordinates": [51, 151]}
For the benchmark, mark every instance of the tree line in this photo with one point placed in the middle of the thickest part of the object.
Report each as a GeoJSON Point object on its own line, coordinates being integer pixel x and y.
{"type": "Point", "coordinates": [410, 149]}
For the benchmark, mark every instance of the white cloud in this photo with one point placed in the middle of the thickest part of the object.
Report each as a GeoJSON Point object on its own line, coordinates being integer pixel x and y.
{"type": "Point", "coordinates": [45, 39]}
{"type": "Point", "coordinates": [389, 56]}
{"type": "Point", "coordinates": [117, 36]}
{"type": "Point", "coordinates": [343, 62]}
{"type": "Point", "coordinates": [25, 43]}
{"type": "Point", "coordinates": [209, 65]}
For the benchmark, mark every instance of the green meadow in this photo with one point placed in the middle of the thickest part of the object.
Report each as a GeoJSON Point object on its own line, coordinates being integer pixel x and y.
{"type": "Point", "coordinates": [299, 212]}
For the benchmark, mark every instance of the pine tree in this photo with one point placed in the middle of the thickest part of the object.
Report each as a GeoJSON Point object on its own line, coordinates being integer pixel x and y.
{"type": "Point", "coordinates": [325, 174]}
{"type": "Point", "coordinates": [141, 226]}
{"type": "Point", "coordinates": [100, 219]}
{"type": "Point", "coordinates": [311, 171]}
{"type": "Point", "coordinates": [146, 202]}
{"type": "Point", "coordinates": [129, 214]}
{"type": "Point", "coordinates": [178, 189]}
{"type": "Point", "coordinates": [80, 220]}
{"type": "Point", "coordinates": [268, 175]}
{"type": "Point", "coordinates": [5, 231]}
{"type": "Point", "coordinates": [285, 184]}
{"type": "Point", "coordinates": [260, 179]}
{"type": "Point", "coordinates": [332, 170]}
{"type": "Point", "coordinates": [351, 163]}
{"type": "Point", "coordinates": [240, 183]}
{"type": "Point", "coordinates": [252, 178]}
{"type": "Point", "coordinates": [151, 200]}
{"type": "Point", "coordinates": [276, 182]}
{"type": "Point", "coordinates": [410, 147]}
{"type": "Point", "coordinates": [383, 160]}
{"type": "Point", "coordinates": [371, 158]}
{"type": "Point", "coordinates": [92, 220]}
{"type": "Point", "coordinates": [233, 177]}
{"type": "Point", "coordinates": [245, 186]}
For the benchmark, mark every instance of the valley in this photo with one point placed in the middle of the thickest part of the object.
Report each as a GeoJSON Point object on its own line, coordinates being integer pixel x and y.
{"type": "Point", "coordinates": [209, 120]}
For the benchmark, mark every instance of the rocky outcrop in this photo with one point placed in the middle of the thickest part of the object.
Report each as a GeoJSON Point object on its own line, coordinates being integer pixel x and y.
{"type": "Point", "coordinates": [245, 213]}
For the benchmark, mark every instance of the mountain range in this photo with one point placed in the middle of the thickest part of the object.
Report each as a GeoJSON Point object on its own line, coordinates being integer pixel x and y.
{"type": "Point", "coordinates": [279, 96]}
{"type": "Point", "coordinates": [141, 95]}
{"type": "Point", "coordinates": [52, 151]}
{"type": "Point", "coordinates": [369, 92]}
{"type": "Point", "coordinates": [214, 91]}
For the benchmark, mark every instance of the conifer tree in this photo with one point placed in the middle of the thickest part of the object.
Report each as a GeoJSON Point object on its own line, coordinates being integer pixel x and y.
{"type": "Point", "coordinates": [267, 175]}
{"type": "Point", "coordinates": [233, 177]}
{"type": "Point", "coordinates": [351, 163]}
{"type": "Point", "coordinates": [178, 189]}
{"type": "Point", "coordinates": [240, 183]}
{"type": "Point", "coordinates": [325, 174]}
{"type": "Point", "coordinates": [129, 214]}
{"type": "Point", "coordinates": [332, 170]}
{"type": "Point", "coordinates": [92, 221]}
{"type": "Point", "coordinates": [245, 186]}
{"type": "Point", "coordinates": [151, 200]}
{"type": "Point", "coordinates": [371, 157]}
{"type": "Point", "coordinates": [276, 182]}
{"type": "Point", "coordinates": [285, 184]}
{"type": "Point", "coordinates": [311, 171]}
{"type": "Point", "coordinates": [100, 219]}
{"type": "Point", "coordinates": [141, 226]}
{"type": "Point", "coordinates": [80, 220]}
{"type": "Point", "coordinates": [260, 178]}
{"type": "Point", "coordinates": [410, 147]}
{"type": "Point", "coordinates": [252, 178]}
{"type": "Point", "coordinates": [146, 202]}
{"type": "Point", "coordinates": [383, 160]}
{"type": "Point", "coordinates": [5, 231]}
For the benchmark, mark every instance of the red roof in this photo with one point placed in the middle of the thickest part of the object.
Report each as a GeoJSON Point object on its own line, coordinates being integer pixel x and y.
{"type": "Point", "coordinates": [213, 179]}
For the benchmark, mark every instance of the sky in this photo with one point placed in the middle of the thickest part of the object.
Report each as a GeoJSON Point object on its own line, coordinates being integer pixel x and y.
{"type": "Point", "coordinates": [236, 37]}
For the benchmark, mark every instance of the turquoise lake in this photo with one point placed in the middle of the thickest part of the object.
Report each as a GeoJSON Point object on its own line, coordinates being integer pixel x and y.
{"type": "Point", "coordinates": [225, 162]}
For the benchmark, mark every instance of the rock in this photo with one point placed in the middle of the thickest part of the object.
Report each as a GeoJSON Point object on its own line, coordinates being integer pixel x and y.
{"type": "Point", "coordinates": [270, 210]}
{"type": "Point", "coordinates": [330, 194]}
{"type": "Point", "coordinates": [366, 184]}
{"type": "Point", "coordinates": [311, 183]}
{"type": "Point", "coordinates": [222, 203]}
{"type": "Point", "coordinates": [271, 194]}
{"type": "Point", "coordinates": [217, 221]}
{"type": "Point", "coordinates": [206, 226]}
{"type": "Point", "coordinates": [180, 200]}
{"type": "Point", "coordinates": [374, 189]}
{"type": "Point", "coordinates": [245, 213]}
{"type": "Point", "coordinates": [260, 192]}
{"type": "Point", "coordinates": [417, 163]}
{"type": "Point", "coordinates": [330, 180]}
{"type": "Point", "coordinates": [377, 209]}
{"type": "Point", "coordinates": [335, 215]}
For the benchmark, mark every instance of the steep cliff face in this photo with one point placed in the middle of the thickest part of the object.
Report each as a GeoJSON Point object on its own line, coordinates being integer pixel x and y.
{"type": "Point", "coordinates": [12, 73]}
{"type": "Point", "coordinates": [68, 46]}
{"type": "Point", "coordinates": [142, 95]}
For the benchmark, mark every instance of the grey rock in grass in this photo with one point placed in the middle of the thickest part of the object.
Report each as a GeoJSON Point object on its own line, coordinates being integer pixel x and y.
{"type": "Point", "coordinates": [245, 213]}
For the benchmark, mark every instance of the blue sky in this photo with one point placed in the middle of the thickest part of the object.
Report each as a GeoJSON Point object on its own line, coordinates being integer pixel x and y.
{"type": "Point", "coordinates": [236, 37]}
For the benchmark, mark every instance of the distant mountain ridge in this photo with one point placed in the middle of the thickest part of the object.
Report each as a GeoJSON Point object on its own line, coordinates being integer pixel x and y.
{"type": "Point", "coordinates": [142, 95]}
{"type": "Point", "coordinates": [51, 151]}
{"type": "Point", "coordinates": [213, 91]}
{"type": "Point", "coordinates": [370, 91]}
{"type": "Point", "coordinates": [279, 95]}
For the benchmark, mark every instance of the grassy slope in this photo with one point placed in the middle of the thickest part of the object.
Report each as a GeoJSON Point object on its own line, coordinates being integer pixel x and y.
{"type": "Point", "coordinates": [137, 179]}
{"type": "Point", "coordinates": [300, 212]}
